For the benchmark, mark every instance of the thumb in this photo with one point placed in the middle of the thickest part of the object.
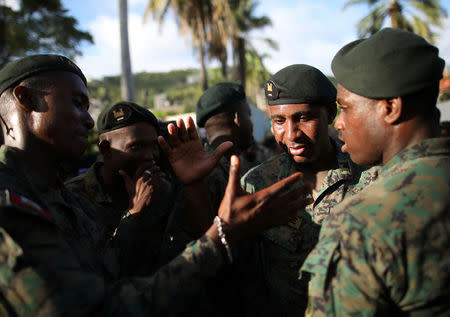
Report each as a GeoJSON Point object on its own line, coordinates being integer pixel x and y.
{"type": "Point", "coordinates": [221, 149]}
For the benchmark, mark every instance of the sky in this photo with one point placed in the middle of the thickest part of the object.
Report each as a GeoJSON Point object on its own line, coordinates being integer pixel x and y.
{"type": "Point", "coordinates": [307, 32]}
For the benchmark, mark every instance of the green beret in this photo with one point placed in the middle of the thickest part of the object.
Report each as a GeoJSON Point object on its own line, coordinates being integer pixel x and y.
{"type": "Point", "coordinates": [390, 63]}
{"type": "Point", "coordinates": [298, 84]}
{"type": "Point", "coordinates": [124, 114]}
{"type": "Point", "coordinates": [218, 98]}
{"type": "Point", "coordinates": [16, 71]}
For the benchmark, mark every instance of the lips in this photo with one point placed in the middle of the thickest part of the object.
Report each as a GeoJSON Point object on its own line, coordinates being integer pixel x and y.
{"type": "Point", "coordinates": [344, 145]}
{"type": "Point", "coordinates": [296, 150]}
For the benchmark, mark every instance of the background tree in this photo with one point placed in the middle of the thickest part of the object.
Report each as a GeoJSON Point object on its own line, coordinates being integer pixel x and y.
{"type": "Point", "coordinates": [418, 16]}
{"type": "Point", "coordinates": [193, 17]}
{"type": "Point", "coordinates": [38, 27]}
{"type": "Point", "coordinates": [245, 21]}
{"type": "Point", "coordinates": [126, 78]}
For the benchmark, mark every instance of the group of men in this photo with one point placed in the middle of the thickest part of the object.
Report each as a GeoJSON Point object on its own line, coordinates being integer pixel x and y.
{"type": "Point", "coordinates": [356, 226]}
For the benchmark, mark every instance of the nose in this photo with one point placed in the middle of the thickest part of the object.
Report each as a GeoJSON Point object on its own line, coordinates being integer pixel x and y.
{"type": "Point", "coordinates": [88, 121]}
{"type": "Point", "coordinates": [293, 131]}
{"type": "Point", "coordinates": [339, 124]}
{"type": "Point", "coordinates": [149, 154]}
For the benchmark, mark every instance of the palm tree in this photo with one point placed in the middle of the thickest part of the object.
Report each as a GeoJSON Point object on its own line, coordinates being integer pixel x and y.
{"type": "Point", "coordinates": [193, 18]}
{"type": "Point", "coordinates": [126, 79]}
{"type": "Point", "coordinates": [243, 13]}
{"type": "Point", "coordinates": [219, 34]}
{"type": "Point", "coordinates": [417, 16]}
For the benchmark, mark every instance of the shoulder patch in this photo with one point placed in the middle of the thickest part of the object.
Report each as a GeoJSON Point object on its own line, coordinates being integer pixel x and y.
{"type": "Point", "coordinates": [10, 198]}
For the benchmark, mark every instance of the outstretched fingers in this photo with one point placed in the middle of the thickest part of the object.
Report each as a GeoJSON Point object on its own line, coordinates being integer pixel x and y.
{"type": "Point", "coordinates": [164, 145]}
{"type": "Point", "coordinates": [173, 135]}
{"type": "Point", "coordinates": [191, 129]}
{"type": "Point", "coordinates": [182, 133]}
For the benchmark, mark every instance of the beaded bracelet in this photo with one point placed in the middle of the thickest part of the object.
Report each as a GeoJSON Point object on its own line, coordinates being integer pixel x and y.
{"type": "Point", "coordinates": [222, 237]}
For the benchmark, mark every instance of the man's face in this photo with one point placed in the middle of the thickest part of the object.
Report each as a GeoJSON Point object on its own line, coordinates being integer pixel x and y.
{"type": "Point", "coordinates": [133, 146]}
{"type": "Point", "coordinates": [245, 125]}
{"type": "Point", "coordinates": [359, 127]}
{"type": "Point", "coordinates": [302, 130]}
{"type": "Point", "coordinates": [61, 118]}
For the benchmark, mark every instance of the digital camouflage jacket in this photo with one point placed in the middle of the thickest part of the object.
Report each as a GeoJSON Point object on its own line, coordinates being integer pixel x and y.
{"type": "Point", "coordinates": [385, 251]}
{"type": "Point", "coordinates": [284, 248]}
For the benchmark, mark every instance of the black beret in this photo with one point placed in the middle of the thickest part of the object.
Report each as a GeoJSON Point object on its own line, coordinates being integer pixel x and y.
{"type": "Point", "coordinates": [390, 63]}
{"type": "Point", "coordinates": [124, 114]}
{"type": "Point", "coordinates": [16, 71]}
{"type": "Point", "coordinates": [218, 98]}
{"type": "Point", "coordinates": [298, 84]}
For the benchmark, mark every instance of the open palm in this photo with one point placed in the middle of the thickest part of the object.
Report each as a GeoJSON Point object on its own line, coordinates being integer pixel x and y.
{"type": "Point", "coordinates": [185, 152]}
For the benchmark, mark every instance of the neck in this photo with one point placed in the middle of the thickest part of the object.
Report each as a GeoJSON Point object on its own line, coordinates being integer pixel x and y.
{"type": "Point", "coordinates": [45, 165]}
{"type": "Point", "coordinates": [406, 134]}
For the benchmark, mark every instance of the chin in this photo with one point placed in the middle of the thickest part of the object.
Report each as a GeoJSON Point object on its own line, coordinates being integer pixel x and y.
{"type": "Point", "coordinates": [363, 161]}
{"type": "Point", "coordinates": [301, 159]}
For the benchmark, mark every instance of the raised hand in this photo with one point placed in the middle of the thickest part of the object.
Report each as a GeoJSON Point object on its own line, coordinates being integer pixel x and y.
{"type": "Point", "coordinates": [246, 214]}
{"type": "Point", "coordinates": [189, 161]}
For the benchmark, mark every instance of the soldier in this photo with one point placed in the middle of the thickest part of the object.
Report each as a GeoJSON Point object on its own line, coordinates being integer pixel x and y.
{"type": "Point", "coordinates": [128, 140]}
{"type": "Point", "coordinates": [128, 143]}
{"type": "Point", "coordinates": [55, 269]}
{"type": "Point", "coordinates": [224, 112]}
{"type": "Point", "coordinates": [302, 103]}
{"type": "Point", "coordinates": [385, 251]}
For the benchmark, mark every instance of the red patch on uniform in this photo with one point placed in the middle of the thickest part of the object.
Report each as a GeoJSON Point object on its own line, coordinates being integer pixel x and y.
{"type": "Point", "coordinates": [25, 202]}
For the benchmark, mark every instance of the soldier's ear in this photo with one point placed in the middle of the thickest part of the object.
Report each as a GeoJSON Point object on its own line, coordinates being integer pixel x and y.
{"type": "Point", "coordinates": [392, 109]}
{"type": "Point", "coordinates": [236, 120]}
{"type": "Point", "coordinates": [24, 97]}
{"type": "Point", "coordinates": [105, 148]}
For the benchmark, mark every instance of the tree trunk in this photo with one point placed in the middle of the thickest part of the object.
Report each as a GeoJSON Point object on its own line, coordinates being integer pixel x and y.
{"type": "Point", "coordinates": [242, 69]}
{"type": "Point", "coordinates": [202, 46]}
{"type": "Point", "coordinates": [223, 64]}
{"type": "Point", "coordinates": [394, 10]}
{"type": "Point", "coordinates": [126, 78]}
{"type": "Point", "coordinates": [203, 71]}
{"type": "Point", "coordinates": [3, 52]}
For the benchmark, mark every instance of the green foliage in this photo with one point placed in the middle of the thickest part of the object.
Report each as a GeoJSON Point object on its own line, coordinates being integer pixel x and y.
{"type": "Point", "coordinates": [38, 27]}
{"type": "Point", "coordinates": [147, 85]}
{"type": "Point", "coordinates": [418, 16]}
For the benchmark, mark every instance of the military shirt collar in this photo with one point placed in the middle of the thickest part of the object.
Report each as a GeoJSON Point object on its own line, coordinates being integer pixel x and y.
{"type": "Point", "coordinates": [16, 159]}
{"type": "Point", "coordinates": [346, 168]}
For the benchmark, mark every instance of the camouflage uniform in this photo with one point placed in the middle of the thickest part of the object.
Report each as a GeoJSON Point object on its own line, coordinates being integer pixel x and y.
{"type": "Point", "coordinates": [386, 250]}
{"type": "Point", "coordinates": [90, 185]}
{"type": "Point", "coordinates": [57, 269]}
{"type": "Point", "coordinates": [284, 248]}
{"type": "Point", "coordinates": [153, 237]}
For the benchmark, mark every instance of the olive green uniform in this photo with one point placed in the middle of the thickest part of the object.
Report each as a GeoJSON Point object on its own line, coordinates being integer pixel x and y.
{"type": "Point", "coordinates": [386, 250]}
{"type": "Point", "coordinates": [57, 268]}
